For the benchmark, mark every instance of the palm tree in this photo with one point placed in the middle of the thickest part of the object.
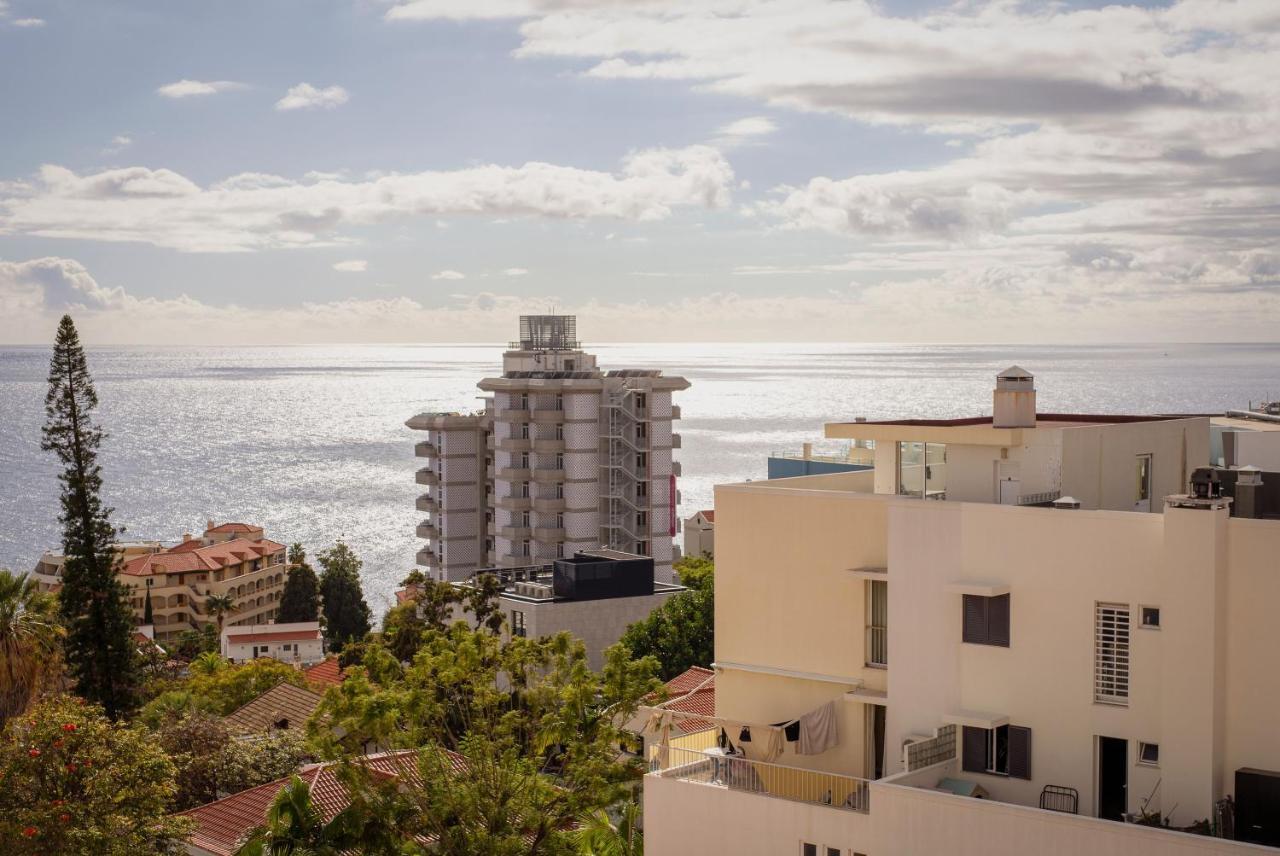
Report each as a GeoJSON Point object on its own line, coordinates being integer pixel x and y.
{"type": "Point", "coordinates": [219, 606]}
{"type": "Point", "coordinates": [295, 827]}
{"type": "Point", "coordinates": [30, 636]}
{"type": "Point", "coordinates": [600, 836]}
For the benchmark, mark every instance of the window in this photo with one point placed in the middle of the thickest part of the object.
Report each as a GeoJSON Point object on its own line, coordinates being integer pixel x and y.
{"type": "Point", "coordinates": [642, 401]}
{"type": "Point", "coordinates": [559, 401]}
{"type": "Point", "coordinates": [642, 430]}
{"type": "Point", "coordinates": [524, 430]}
{"type": "Point", "coordinates": [568, 365]}
{"type": "Point", "coordinates": [642, 548]}
{"type": "Point", "coordinates": [559, 520]}
{"type": "Point", "coordinates": [522, 402]}
{"type": "Point", "coordinates": [833, 851]}
{"type": "Point", "coordinates": [524, 490]}
{"type": "Point", "coordinates": [1001, 751]}
{"type": "Point", "coordinates": [1151, 617]}
{"type": "Point", "coordinates": [642, 521]}
{"type": "Point", "coordinates": [1149, 754]}
{"type": "Point", "coordinates": [559, 461]}
{"type": "Point", "coordinates": [524, 549]}
{"type": "Point", "coordinates": [986, 620]}
{"type": "Point", "coordinates": [517, 623]}
{"type": "Point", "coordinates": [559, 549]}
{"type": "Point", "coordinates": [559, 490]}
{"type": "Point", "coordinates": [286, 647]}
{"type": "Point", "coordinates": [642, 461]}
{"type": "Point", "coordinates": [642, 490]}
{"type": "Point", "coordinates": [877, 623]}
{"type": "Point", "coordinates": [524, 460]}
{"type": "Point", "coordinates": [1111, 654]}
{"type": "Point", "coordinates": [807, 849]}
{"type": "Point", "coordinates": [559, 431]}
{"type": "Point", "coordinates": [524, 519]}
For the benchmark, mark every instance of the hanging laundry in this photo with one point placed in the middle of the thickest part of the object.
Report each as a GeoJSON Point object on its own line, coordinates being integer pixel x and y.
{"type": "Point", "coordinates": [744, 736]}
{"type": "Point", "coordinates": [818, 730]}
{"type": "Point", "coordinates": [792, 730]}
{"type": "Point", "coordinates": [773, 746]}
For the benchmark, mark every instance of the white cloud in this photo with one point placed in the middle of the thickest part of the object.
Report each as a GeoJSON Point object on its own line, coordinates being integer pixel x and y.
{"type": "Point", "coordinates": [752, 126]}
{"type": "Point", "coordinates": [515, 271]}
{"type": "Point", "coordinates": [191, 88]}
{"type": "Point", "coordinates": [351, 266]}
{"type": "Point", "coordinates": [253, 211]}
{"type": "Point", "coordinates": [304, 96]}
{"type": "Point", "coordinates": [29, 22]}
{"type": "Point", "coordinates": [449, 274]}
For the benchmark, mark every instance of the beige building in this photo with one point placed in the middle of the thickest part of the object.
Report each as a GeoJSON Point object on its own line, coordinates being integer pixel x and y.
{"type": "Point", "coordinates": [1074, 664]}
{"type": "Point", "coordinates": [700, 534]}
{"type": "Point", "coordinates": [564, 456]}
{"type": "Point", "coordinates": [231, 558]}
{"type": "Point", "coordinates": [1247, 438]}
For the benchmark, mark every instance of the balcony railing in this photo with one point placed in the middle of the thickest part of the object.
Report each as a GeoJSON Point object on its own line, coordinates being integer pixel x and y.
{"type": "Point", "coordinates": [549, 504]}
{"type": "Point", "coordinates": [773, 780]}
{"type": "Point", "coordinates": [426, 449]}
{"type": "Point", "coordinates": [427, 476]}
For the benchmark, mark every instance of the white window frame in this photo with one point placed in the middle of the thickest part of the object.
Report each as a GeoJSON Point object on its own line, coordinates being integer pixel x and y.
{"type": "Point", "coordinates": [1143, 745]}
{"type": "Point", "coordinates": [1112, 651]}
{"type": "Point", "coordinates": [873, 628]}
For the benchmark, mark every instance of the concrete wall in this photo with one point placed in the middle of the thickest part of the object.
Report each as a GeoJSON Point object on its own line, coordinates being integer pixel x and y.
{"type": "Point", "coordinates": [786, 468]}
{"type": "Point", "coordinates": [598, 623]}
{"type": "Point", "coordinates": [1099, 461]}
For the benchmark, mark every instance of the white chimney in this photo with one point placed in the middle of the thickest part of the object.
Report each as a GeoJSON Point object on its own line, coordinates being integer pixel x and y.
{"type": "Point", "coordinates": [1014, 399]}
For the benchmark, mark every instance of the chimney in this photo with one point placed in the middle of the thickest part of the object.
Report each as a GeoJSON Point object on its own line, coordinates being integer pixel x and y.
{"type": "Point", "coordinates": [1014, 399]}
{"type": "Point", "coordinates": [1248, 492]}
{"type": "Point", "coordinates": [209, 524]}
{"type": "Point", "coordinates": [1066, 502]}
{"type": "Point", "coordinates": [186, 536]}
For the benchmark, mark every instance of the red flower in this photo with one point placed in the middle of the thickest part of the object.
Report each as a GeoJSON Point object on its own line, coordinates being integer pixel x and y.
{"type": "Point", "coordinates": [71, 768]}
{"type": "Point", "coordinates": [34, 753]}
{"type": "Point", "coordinates": [70, 726]}
{"type": "Point", "coordinates": [57, 803]}
{"type": "Point", "coordinates": [30, 832]}
{"type": "Point", "coordinates": [64, 817]}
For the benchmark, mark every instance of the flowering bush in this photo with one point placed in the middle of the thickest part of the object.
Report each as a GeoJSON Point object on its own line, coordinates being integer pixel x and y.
{"type": "Point", "coordinates": [73, 782]}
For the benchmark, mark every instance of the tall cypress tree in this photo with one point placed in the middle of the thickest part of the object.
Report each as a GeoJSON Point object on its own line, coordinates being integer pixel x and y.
{"type": "Point", "coordinates": [300, 600]}
{"type": "Point", "coordinates": [346, 615]}
{"type": "Point", "coordinates": [94, 605]}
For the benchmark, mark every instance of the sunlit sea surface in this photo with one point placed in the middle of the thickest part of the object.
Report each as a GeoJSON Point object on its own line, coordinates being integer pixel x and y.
{"type": "Point", "coordinates": [310, 442]}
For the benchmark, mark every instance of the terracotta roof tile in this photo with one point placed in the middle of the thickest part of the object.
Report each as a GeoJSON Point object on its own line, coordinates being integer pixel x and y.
{"type": "Point", "coordinates": [208, 557]}
{"type": "Point", "coordinates": [233, 527]}
{"type": "Point", "coordinates": [710, 514]}
{"type": "Point", "coordinates": [282, 706]}
{"type": "Point", "coordinates": [272, 636]}
{"type": "Point", "coordinates": [328, 672]}
{"type": "Point", "coordinates": [689, 680]}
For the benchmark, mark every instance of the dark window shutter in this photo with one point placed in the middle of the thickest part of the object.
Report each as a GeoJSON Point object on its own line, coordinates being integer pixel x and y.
{"type": "Point", "coordinates": [975, 750]}
{"type": "Point", "coordinates": [975, 619]}
{"type": "Point", "coordinates": [998, 620]}
{"type": "Point", "coordinates": [1019, 752]}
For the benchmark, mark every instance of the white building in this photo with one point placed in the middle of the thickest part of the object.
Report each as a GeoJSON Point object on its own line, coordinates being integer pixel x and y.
{"type": "Point", "coordinates": [700, 534]}
{"type": "Point", "coordinates": [565, 456]}
{"type": "Point", "coordinates": [1074, 665]}
{"type": "Point", "coordinates": [297, 642]}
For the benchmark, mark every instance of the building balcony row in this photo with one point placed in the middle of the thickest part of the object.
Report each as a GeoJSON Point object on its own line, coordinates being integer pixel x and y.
{"type": "Point", "coordinates": [426, 449]}
{"type": "Point", "coordinates": [427, 476]}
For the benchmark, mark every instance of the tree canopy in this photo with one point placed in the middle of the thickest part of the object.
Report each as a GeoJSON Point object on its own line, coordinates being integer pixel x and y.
{"type": "Point", "coordinates": [346, 615]}
{"type": "Point", "coordinates": [300, 600]}
{"type": "Point", "coordinates": [681, 632]}
{"type": "Point", "coordinates": [30, 638]}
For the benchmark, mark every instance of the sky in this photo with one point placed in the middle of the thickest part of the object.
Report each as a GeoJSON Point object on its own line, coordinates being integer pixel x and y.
{"type": "Point", "coordinates": [182, 172]}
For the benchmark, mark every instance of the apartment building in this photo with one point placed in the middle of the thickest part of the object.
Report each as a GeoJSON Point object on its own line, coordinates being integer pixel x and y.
{"type": "Point", "coordinates": [594, 595]}
{"type": "Point", "coordinates": [563, 456]}
{"type": "Point", "coordinates": [929, 636]}
{"type": "Point", "coordinates": [231, 558]}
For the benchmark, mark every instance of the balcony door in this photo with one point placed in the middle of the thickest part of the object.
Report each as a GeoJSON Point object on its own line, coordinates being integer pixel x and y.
{"type": "Point", "coordinates": [1113, 778]}
{"type": "Point", "coordinates": [1142, 473]}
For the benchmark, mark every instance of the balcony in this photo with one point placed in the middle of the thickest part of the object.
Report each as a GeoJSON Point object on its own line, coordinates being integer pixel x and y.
{"type": "Point", "coordinates": [708, 767]}
{"type": "Point", "coordinates": [514, 414]}
{"type": "Point", "coordinates": [546, 446]}
{"type": "Point", "coordinates": [514, 503]}
{"type": "Point", "coordinates": [515, 560]}
{"type": "Point", "coordinates": [428, 558]}
{"type": "Point", "coordinates": [549, 505]}
{"type": "Point", "coordinates": [426, 449]}
{"type": "Point", "coordinates": [675, 412]}
{"type": "Point", "coordinates": [547, 416]}
{"type": "Point", "coordinates": [514, 533]}
{"type": "Point", "coordinates": [427, 476]}
{"type": "Point", "coordinates": [427, 529]}
{"type": "Point", "coordinates": [676, 442]}
{"type": "Point", "coordinates": [548, 534]}
{"type": "Point", "coordinates": [548, 475]}
{"type": "Point", "coordinates": [514, 473]}
{"type": "Point", "coordinates": [676, 468]}
{"type": "Point", "coordinates": [428, 503]}
{"type": "Point", "coordinates": [515, 444]}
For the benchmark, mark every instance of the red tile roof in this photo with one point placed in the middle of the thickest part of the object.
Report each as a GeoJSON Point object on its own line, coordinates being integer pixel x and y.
{"type": "Point", "coordinates": [272, 636]}
{"type": "Point", "coordinates": [710, 514]}
{"type": "Point", "coordinates": [692, 692]}
{"type": "Point", "coordinates": [205, 557]}
{"type": "Point", "coordinates": [689, 680]}
{"type": "Point", "coordinates": [282, 706]}
{"type": "Point", "coordinates": [232, 527]}
{"type": "Point", "coordinates": [221, 826]}
{"type": "Point", "coordinates": [328, 672]}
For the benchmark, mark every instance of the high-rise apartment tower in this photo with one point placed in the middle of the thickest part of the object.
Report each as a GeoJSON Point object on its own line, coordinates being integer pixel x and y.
{"type": "Point", "coordinates": [563, 457]}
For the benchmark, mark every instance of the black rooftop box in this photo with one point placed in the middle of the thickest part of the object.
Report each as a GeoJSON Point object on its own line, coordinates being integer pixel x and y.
{"type": "Point", "coordinates": [602, 574]}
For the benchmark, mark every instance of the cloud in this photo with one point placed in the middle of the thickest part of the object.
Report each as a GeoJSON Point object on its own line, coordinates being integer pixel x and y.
{"type": "Point", "coordinates": [253, 211]}
{"type": "Point", "coordinates": [514, 271]}
{"type": "Point", "coordinates": [449, 274]}
{"type": "Point", "coordinates": [191, 88]}
{"type": "Point", "coordinates": [119, 143]}
{"type": "Point", "coordinates": [351, 266]}
{"type": "Point", "coordinates": [29, 22]}
{"type": "Point", "coordinates": [987, 302]}
{"type": "Point", "coordinates": [304, 96]}
{"type": "Point", "coordinates": [752, 126]}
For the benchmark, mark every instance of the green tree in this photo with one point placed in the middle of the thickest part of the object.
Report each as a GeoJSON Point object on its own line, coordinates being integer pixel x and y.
{"type": "Point", "coordinates": [295, 826]}
{"type": "Point", "coordinates": [481, 600]}
{"type": "Point", "coordinates": [77, 783]}
{"type": "Point", "coordinates": [346, 615]}
{"type": "Point", "coordinates": [220, 687]}
{"type": "Point", "coordinates": [600, 835]}
{"type": "Point", "coordinates": [220, 606]}
{"type": "Point", "coordinates": [300, 600]}
{"type": "Point", "coordinates": [681, 632]}
{"type": "Point", "coordinates": [100, 651]}
{"type": "Point", "coordinates": [535, 729]}
{"type": "Point", "coordinates": [148, 611]}
{"type": "Point", "coordinates": [30, 638]}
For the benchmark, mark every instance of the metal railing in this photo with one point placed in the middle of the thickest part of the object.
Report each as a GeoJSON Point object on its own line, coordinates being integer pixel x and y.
{"type": "Point", "coordinates": [774, 780]}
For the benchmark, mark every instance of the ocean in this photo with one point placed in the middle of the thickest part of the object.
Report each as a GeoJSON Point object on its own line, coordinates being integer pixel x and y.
{"type": "Point", "coordinates": [309, 441]}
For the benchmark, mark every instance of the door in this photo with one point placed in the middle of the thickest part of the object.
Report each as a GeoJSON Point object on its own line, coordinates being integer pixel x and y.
{"type": "Point", "coordinates": [1008, 482]}
{"type": "Point", "coordinates": [1113, 778]}
{"type": "Point", "coordinates": [873, 765]}
{"type": "Point", "coordinates": [1142, 473]}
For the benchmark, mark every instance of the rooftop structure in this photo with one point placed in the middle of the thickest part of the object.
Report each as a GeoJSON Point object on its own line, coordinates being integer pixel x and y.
{"type": "Point", "coordinates": [298, 642]}
{"type": "Point", "coordinates": [563, 456]}
{"type": "Point", "coordinates": [595, 595]}
{"type": "Point", "coordinates": [700, 534]}
{"type": "Point", "coordinates": [230, 558]}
